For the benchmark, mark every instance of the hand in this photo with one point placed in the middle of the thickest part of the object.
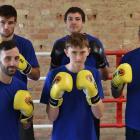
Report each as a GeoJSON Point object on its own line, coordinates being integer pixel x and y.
{"type": "Point", "coordinates": [86, 82]}
{"type": "Point", "coordinates": [98, 52]}
{"type": "Point", "coordinates": [122, 75]}
{"type": "Point", "coordinates": [24, 66]}
{"type": "Point", "coordinates": [61, 83]}
{"type": "Point", "coordinates": [23, 102]}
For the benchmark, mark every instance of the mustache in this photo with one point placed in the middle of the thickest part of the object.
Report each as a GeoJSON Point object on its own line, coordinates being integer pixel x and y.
{"type": "Point", "coordinates": [12, 67]}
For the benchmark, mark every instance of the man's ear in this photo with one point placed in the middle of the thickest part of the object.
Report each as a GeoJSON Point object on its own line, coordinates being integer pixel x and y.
{"type": "Point", "coordinates": [66, 52]}
{"type": "Point", "coordinates": [89, 50]}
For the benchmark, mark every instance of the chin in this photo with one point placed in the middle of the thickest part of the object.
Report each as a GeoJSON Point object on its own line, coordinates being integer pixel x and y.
{"type": "Point", "coordinates": [11, 73]}
{"type": "Point", "coordinates": [79, 65]}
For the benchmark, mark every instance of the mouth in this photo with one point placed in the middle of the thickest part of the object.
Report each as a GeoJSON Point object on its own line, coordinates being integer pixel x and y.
{"type": "Point", "coordinates": [12, 68]}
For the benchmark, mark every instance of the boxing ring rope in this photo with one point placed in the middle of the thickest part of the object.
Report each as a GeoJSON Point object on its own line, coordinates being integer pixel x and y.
{"type": "Point", "coordinates": [119, 101]}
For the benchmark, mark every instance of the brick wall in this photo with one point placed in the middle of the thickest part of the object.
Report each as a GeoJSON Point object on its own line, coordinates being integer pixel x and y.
{"type": "Point", "coordinates": [115, 22]}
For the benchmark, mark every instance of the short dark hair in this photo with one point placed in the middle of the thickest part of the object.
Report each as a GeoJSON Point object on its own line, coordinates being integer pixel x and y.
{"type": "Point", "coordinates": [75, 10]}
{"type": "Point", "coordinates": [77, 40]}
{"type": "Point", "coordinates": [7, 45]}
{"type": "Point", "coordinates": [8, 11]}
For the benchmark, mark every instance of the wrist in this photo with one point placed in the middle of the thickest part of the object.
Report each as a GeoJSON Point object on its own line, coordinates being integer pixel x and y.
{"type": "Point", "coordinates": [28, 69]}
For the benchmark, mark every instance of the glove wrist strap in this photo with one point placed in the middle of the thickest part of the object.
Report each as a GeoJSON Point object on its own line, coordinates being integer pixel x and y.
{"type": "Point", "coordinates": [28, 69]}
{"type": "Point", "coordinates": [55, 103]}
{"type": "Point", "coordinates": [93, 100]}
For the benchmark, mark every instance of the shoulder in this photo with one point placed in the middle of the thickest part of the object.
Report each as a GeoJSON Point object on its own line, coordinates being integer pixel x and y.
{"type": "Point", "coordinates": [54, 71]}
{"type": "Point", "coordinates": [20, 39]}
{"type": "Point", "coordinates": [62, 39]}
{"type": "Point", "coordinates": [131, 53]}
{"type": "Point", "coordinates": [92, 69]}
{"type": "Point", "coordinates": [92, 38]}
{"type": "Point", "coordinates": [58, 47]}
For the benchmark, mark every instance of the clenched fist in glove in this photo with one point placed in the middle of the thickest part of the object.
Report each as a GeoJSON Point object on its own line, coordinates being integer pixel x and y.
{"type": "Point", "coordinates": [98, 52]}
{"type": "Point", "coordinates": [122, 75]}
{"type": "Point", "coordinates": [23, 102]}
{"type": "Point", "coordinates": [24, 66]}
{"type": "Point", "coordinates": [61, 83]}
{"type": "Point", "coordinates": [86, 82]}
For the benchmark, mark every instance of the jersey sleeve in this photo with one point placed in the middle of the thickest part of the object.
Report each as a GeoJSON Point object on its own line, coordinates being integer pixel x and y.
{"type": "Point", "coordinates": [45, 96]}
{"type": "Point", "coordinates": [30, 55]}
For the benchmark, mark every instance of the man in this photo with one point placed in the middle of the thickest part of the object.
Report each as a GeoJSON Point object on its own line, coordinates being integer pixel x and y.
{"type": "Point", "coordinates": [128, 73]}
{"type": "Point", "coordinates": [75, 19]}
{"type": "Point", "coordinates": [28, 66]}
{"type": "Point", "coordinates": [73, 94]}
{"type": "Point", "coordinates": [10, 87]}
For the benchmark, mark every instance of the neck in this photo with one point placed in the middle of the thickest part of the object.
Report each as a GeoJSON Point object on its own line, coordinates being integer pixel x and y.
{"type": "Point", "coordinates": [5, 78]}
{"type": "Point", "coordinates": [74, 68]}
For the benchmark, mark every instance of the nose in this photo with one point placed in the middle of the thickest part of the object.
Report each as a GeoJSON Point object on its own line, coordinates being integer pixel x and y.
{"type": "Point", "coordinates": [13, 62]}
{"type": "Point", "coordinates": [78, 57]}
{"type": "Point", "coordinates": [73, 21]}
{"type": "Point", "coordinates": [6, 26]}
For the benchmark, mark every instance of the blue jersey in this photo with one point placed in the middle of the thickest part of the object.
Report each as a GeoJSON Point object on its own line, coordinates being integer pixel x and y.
{"type": "Point", "coordinates": [132, 115]}
{"type": "Point", "coordinates": [59, 58]}
{"type": "Point", "coordinates": [75, 120]}
{"type": "Point", "coordinates": [9, 118]}
{"type": "Point", "coordinates": [26, 49]}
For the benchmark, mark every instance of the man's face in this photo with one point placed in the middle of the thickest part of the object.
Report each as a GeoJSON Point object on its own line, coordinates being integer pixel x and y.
{"type": "Point", "coordinates": [7, 26]}
{"type": "Point", "coordinates": [74, 22]}
{"type": "Point", "coordinates": [9, 61]}
{"type": "Point", "coordinates": [77, 55]}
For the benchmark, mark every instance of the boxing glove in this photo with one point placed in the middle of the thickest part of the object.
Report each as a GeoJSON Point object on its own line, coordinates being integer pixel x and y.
{"type": "Point", "coordinates": [24, 66]}
{"type": "Point", "coordinates": [98, 52]}
{"type": "Point", "coordinates": [86, 82]}
{"type": "Point", "coordinates": [57, 54]}
{"type": "Point", "coordinates": [23, 102]}
{"type": "Point", "coordinates": [122, 75]}
{"type": "Point", "coordinates": [61, 83]}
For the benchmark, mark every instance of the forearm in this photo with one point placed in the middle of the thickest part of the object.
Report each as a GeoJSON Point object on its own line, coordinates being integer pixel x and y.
{"type": "Point", "coordinates": [34, 74]}
{"type": "Point", "coordinates": [98, 109]}
{"type": "Point", "coordinates": [104, 73]}
{"type": "Point", "coordinates": [52, 113]}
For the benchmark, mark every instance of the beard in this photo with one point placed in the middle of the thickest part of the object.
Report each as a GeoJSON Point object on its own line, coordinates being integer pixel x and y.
{"type": "Point", "coordinates": [7, 35]}
{"type": "Point", "coordinates": [10, 70]}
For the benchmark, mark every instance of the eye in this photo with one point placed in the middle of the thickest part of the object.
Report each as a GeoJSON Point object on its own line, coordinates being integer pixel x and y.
{"type": "Point", "coordinates": [77, 18]}
{"type": "Point", "coordinates": [83, 52]}
{"type": "Point", "coordinates": [70, 18]}
{"type": "Point", "coordinates": [2, 22]}
{"type": "Point", "coordinates": [11, 22]}
{"type": "Point", "coordinates": [17, 58]}
{"type": "Point", "coordinates": [8, 58]}
{"type": "Point", "coordinates": [74, 53]}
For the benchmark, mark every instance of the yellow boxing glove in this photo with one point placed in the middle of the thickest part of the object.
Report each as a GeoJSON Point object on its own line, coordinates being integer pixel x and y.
{"type": "Point", "coordinates": [86, 82]}
{"type": "Point", "coordinates": [23, 102]}
{"type": "Point", "coordinates": [24, 66]}
{"type": "Point", "coordinates": [122, 75]}
{"type": "Point", "coordinates": [61, 83]}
